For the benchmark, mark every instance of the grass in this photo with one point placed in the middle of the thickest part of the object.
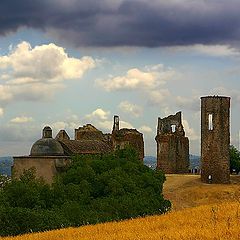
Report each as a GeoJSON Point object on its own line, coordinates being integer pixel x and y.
{"type": "Point", "coordinates": [204, 222]}
{"type": "Point", "coordinates": [219, 219]}
{"type": "Point", "coordinates": [187, 191]}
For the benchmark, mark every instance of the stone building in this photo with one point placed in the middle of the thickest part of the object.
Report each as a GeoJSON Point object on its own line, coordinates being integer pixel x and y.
{"type": "Point", "coordinates": [127, 137]}
{"type": "Point", "coordinates": [172, 145]}
{"type": "Point", "coordinates": [49, 156]}
{"type": "Point", "coordinates": [215, 139]}
{"type": "Point", "coordinates": [46, 156]}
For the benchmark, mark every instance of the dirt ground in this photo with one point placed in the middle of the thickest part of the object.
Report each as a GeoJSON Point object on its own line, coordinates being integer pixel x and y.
{"type": "Point", "coordinates": [185, 191]}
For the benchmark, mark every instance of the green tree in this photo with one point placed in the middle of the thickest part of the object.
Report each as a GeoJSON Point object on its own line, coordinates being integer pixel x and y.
{"type": "Point", "coordinates": [234, 159]}
{"type": "Point", "coordinates": [93, 189]}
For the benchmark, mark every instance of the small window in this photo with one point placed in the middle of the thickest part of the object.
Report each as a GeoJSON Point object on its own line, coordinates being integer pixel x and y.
{"type": "Point", "coordinates": [116, 119]}
{"type": "Point", "coordinates": [210, 121]}
{"type": "Point", "coordinates": [173, 127]}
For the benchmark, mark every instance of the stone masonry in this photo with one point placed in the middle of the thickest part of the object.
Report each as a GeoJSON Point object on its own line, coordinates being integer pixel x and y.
{"type": "Point", "coordinates": [127, 137]}
{"type": "Point", "coordinates": [215, 139]}
{"type": "Point", "coordinates": [49, 155]}
{"type": "Point", "coordinates": [172, 145]}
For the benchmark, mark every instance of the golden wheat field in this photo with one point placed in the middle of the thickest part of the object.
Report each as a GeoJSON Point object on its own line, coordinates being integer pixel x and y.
{"type": "Point", "coordinates": [219, 219]}
{"type": "Point", "coordinates": [204, 222]}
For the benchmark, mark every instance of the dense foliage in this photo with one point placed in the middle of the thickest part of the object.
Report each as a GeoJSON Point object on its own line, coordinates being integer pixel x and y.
{"type": "Point", "coordinates": [234, 160]}
{"type": "Point", "coordinates": [91, 190]}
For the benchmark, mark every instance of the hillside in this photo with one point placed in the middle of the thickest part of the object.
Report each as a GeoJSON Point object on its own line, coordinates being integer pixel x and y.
{"type": "Point", "coordinates": [219, 219]}
{"type": "Point", "coordinates": [194, 161]}
{"type": "Point", "coordinates": [5, 165]}
{"type": "Point", "coordinates": [185, 191]}
{"type": "Point", "coordinates": [203, 222]}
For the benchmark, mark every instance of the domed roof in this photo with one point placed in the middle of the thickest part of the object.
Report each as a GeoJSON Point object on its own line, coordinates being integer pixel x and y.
{"type": "Point", "coordinates": [47, 146]}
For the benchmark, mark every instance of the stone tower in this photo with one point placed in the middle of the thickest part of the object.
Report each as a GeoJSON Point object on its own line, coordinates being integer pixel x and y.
{"type": "Point", "coordinates": [116, 123]}
{"type": "Point", "coordinates": [215, 139]}
{"type": "Point", "coordinates": [47, 132]}
{"type": "Point", "coordinates": [121, 138]}
{"type": "Point", "coordinates": [172, 145]}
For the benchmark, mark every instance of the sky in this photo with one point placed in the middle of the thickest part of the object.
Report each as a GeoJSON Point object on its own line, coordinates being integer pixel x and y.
{"type": "Point", "coordinates": [66, 63]}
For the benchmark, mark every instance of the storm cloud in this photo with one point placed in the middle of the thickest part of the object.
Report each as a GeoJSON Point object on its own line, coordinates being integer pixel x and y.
{"type": "Point", "coordinates": [107, 23]}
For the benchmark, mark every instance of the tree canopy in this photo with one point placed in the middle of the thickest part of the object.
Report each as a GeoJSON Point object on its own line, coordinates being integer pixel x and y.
{"type": "Point", "coordinates": [91, 190]}
{"type": "Point", "coordinates": [234, 160]}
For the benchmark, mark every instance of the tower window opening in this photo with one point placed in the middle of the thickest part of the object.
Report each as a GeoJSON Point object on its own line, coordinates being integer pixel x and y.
{"type": "Point", "coordinates": [173, 127]}
{"type": "Point", "coordinates": [210, 121]}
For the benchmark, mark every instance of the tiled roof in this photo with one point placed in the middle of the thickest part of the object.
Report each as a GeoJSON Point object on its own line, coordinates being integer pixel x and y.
{"type": "Point", "coordinates": [85, 147]}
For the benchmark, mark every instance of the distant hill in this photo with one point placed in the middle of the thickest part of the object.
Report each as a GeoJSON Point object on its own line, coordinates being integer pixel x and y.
{"type": "Point", "coordinates": [5, 165]}
{"type": "Point", "coordinates": [151, 161]}
{"type": "Point", "coordinates": [194, 161]}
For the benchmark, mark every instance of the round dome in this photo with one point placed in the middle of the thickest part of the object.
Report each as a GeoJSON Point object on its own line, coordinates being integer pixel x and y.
{"type": "Point", "coordinates": [47, 147]}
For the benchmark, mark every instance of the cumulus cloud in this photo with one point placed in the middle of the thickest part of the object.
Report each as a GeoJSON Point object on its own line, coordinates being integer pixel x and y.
{"type": "Point", "coordinates": [37, 73]}
{"type": "Point", "coordinates": [22, 119]}
{"type": "Point", "coordinates": [99, 114]}
{"type": "Point", "coordinates": [126, 23]}
{"type": "Point", "coordinates": [130, 108]}
{"type": "Point", "coordinates": [145, 129]}
{"type": "Point", "coordinates": [69, 123]}
{"type": "Point", "coordinates": [135, 78]}
{"type": "Point", "coordinates": [1, 112]}
{"type": "Point", "coordinates": [148, 82]}
{"type": "Point", "coordinates": [190, 132]}
{"type": "Point", "coordinates": [158, 96]}
{"type": "Point", "coordinates": [102, 120]}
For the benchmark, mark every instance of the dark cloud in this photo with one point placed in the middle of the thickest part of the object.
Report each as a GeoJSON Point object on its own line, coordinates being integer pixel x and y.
{"type": "Point", "coordinates": [127, 22]}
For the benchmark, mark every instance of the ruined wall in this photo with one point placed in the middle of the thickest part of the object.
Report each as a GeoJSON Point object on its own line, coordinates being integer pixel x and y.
{"type": "Point", "coordinates": [49, 156]}
{"type": "Point", "coordinates": [62, 135]}
{"type": "Point", "coordinates": [88, 132]}
{"type": "Point", "coordinates": [128, 137]}
{"type": "Point", "coordinates": [46, 167]}
{"type": "Point", "coordinates": [172, 145]}
{"type": "Point", "coordinates": [121, 138]}
{"type": "Point", "coordinates": [215, 139]}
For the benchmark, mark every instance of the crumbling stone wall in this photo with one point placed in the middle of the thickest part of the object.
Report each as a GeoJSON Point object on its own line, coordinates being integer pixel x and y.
{"type": "Point", "coordinates": [88, 132]}
{"type": "Point", "coordinates": [62, 135]}
{"type": "Point", "coordinates": [215, 139]}
{"type": "Point", "coordinates": [50, 156]}
{"type": "Point", "coordinates": [128, 137]}
{"type": "Point", "coordinates": [121, 138]}
{"type": "Point", "coordinates": [172, 145]}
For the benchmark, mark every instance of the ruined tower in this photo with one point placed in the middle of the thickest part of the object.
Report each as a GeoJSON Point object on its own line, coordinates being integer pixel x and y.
{"type": "Point", "coordinates": [116, 123]}
{"type": "Point", "coordinates": [172, 145]}
{"type": "Point", "coordinates": [215, 139]}
{"type": "Point", "coordinates": [121, 138]}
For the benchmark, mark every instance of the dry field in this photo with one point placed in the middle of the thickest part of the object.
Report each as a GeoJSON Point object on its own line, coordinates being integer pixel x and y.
{"type": "Point", "coordinates": [186, 191]}
{"type": "Point", "coordinates": [219, 219]}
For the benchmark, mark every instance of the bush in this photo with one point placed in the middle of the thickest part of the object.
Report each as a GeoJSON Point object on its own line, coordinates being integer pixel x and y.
{"type": "Point", "coordinates": [234, 160]}
{"type": "Point", "coordinates": [18, 220]}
